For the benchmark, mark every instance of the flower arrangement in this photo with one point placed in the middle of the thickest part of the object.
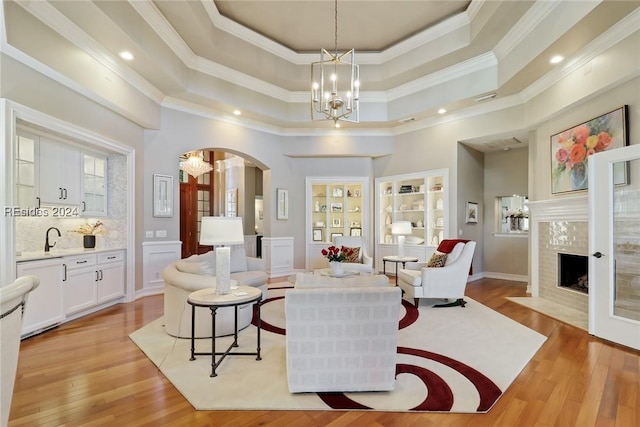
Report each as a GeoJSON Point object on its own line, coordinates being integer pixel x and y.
{"type": "Point", "coordinates": [518, 213]}
{"type": "Point", "coordinates": [90, 229]}
{"type": "Point", "coordinates": [333, 253]}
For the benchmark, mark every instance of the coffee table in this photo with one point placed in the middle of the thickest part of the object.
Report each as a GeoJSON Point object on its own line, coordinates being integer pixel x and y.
{"type": "Point", "coordinates": [210, 299]}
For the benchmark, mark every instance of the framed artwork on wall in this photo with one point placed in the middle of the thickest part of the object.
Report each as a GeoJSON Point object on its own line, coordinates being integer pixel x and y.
{"type": "Point", "coordinates": [162, 196]}
{"type": "Point", "coordinates": [571, 148]}
{"type": "Point", "coordinates": [472, 212]}
{"type": "Point", "coordinates": [282, 200]}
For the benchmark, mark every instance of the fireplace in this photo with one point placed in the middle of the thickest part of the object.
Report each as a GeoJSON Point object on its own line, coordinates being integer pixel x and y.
{"type": "Point", "coordinates": [573, 272]}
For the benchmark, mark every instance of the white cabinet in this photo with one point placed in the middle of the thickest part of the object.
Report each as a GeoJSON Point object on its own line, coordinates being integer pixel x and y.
{"type": "Point", "coordinates": [94, 184]}
{"type": "Point", "coordinates": [93, 279]}
{"type": "Point", "coordinates": [110, 276]}
{"type": "Point", "coordinates": [420, 198]}
{"type": "Point", "coordinates": [335, 206]}
{"type": "Point", "coordinates": [79, 282]}
{"type": "Point", "coordinates": [44, 307]}
{"type": "Point", "coordinates": [59, 173]}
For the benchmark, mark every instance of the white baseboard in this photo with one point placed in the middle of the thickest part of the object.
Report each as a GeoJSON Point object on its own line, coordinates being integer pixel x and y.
{"type": "Point", "coordinates": [505, 276]}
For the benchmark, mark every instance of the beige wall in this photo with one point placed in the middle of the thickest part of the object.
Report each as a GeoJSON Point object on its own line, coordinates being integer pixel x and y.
{"type": "Point", "coordinates": [505, 174]}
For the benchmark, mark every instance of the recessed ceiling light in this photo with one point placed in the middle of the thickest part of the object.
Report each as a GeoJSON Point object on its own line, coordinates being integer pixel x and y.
{"type": "Point", "coordinates": [126, 55]}
{"type": "Point", "coordinates": [557, 59]}
{"type": "Point", "coordinates": [237, 112]}
{"type": "Point", "coordinates": [442, 111]}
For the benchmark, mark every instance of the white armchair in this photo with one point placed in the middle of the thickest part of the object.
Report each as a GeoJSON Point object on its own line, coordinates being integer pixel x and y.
{"type": "Point", "coordinates": [448, 282]}
{"type": "Point", "coordinates": [365, 261]}
{"type": "Point", "coordinates": [13, 299]}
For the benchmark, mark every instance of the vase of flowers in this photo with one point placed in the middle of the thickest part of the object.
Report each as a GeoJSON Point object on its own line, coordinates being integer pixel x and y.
{"type": "Point", "coordinates": [89, 232]}
{"type": "Point", "coordinates": [336, 257]}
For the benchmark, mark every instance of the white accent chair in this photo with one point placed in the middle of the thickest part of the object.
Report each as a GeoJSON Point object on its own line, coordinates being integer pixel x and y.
{"type": "Point", "coordinates": [342, 339]}
{"type": "Point", "coordinates": [365, 263]}
{"type": "Point", "coordinates": [13, 299]}
{"type": "Point", "coordinates": [448, 282]}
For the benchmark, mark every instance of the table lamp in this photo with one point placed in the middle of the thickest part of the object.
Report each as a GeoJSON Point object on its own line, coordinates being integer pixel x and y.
{"type": "Point", "coordinates": [400, 228]}
{"type": "Point", "coordinates": [220, 231]}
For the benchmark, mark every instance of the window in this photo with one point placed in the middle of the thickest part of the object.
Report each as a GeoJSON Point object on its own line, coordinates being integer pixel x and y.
{"type": "Point", "coordinates": [512, 214]}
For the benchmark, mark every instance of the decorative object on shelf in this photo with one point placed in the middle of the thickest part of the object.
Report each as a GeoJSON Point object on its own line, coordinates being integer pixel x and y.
{"type": "Point", "coordinates": [317, 234]}
{"type": "Point", "coordinates": [348, 193]}
{"type": "Point", "coordinates": [570, 150]}
{"type": "Point", "coordinates": [89, 232]}
{"type": "Point", "coordinates": [419, 224]}
{"type": "Point", "coordinates": [162, 196]}
{"type": "Point", "coordinates": [336, 192]}
{"type": "Point", "coordinates": [336, 222]}
{"type": "Point", "coordinates": [400, 229]}
{"type": "Point", "coordinates": [355, 231]}
{"type": "Point", "coordinates": [388, 239]}
{"type": "Point", "coordinates": [440, 204]}
{"type": "Point", "coordinates": [421, 188]}
{"type": "Point", "coordinates": [387, 220]}
{"type": "Point", "coordinates": [194, 164]}
{"type": "Point", "coordinates": [405, 189]}
{"type": "Point", "coordinates": [356, 193]}
{"type": "Point", "coordinates": [334, 235]}
{"type": "Point", "coordinates": [354, 224]}
{"type": "Point", "coordinates": [282, 197]}
{"type": "Point", "coordinates": [440, 222]}
{"type": "Point", "coordinates": [221, 232]}
{"type": "Point", "coordinates": [336, 207]}
{"type": "Point", "coordinates": [472, 213]}
{"type": "Point", "coordinates": [340, 98]}
{"type": "Point", "coordinates": [316, 206]}
{"type": "Point", "coordinates": [319, 223]}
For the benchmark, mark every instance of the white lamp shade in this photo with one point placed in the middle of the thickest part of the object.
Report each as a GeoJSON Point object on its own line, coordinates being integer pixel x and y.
{"type": "Point", "coordinates": [401, 227]}
{"type": "Point", "coordinates": [220, 230]}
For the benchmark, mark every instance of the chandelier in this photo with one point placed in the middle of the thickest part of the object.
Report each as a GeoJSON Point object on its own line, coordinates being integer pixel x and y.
{"type": "Point", "coordinates": [195, 165]}
{"type": "Point", "coordinates": [335, 84]}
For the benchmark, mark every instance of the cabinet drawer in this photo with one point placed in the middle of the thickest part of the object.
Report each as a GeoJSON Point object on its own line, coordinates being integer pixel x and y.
{"type": "Point", "coordinates": [110, 257]}
{"type": "Point", "coordinates": [80, 261]}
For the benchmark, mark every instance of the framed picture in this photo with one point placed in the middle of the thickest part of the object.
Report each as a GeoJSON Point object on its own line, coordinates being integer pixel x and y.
{"type": "Point", "coordinates": [162, 196]}
{"type": "Point", "coordinates": [356, 193]}
{"type": "Point", "coordinates": [336, 192]}
{"type": "Point", "coordinates": [317, 234]}
{"type": "Point", "coordinates": [282, 198]}
{"type": "Point", "coordinates": [334, 235]}
{"type": "Point", "coordinates": [336, 222]}
{"type": "Point", "coordinates": [472, 212]}
{"type": "Point", "coordinates": [355, 231]}
{"type": "Point", "coordinates": [336, 207]}
{"type": "Point", "coordinates": [570, 150]}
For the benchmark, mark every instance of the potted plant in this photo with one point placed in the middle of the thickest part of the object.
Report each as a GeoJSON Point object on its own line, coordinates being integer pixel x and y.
{"type": "Point", "coordinates": [89, 232]}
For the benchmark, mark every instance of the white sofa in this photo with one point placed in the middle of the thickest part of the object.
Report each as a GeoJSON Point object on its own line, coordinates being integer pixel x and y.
{"type": "Point", "coordinates": [198, 272]}
{"type": "Point", "coordinates": [342, 338]}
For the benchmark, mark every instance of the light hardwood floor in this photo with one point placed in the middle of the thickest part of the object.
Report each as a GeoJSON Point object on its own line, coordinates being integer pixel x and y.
{"type": "Point", "coordinates": [88, 372]}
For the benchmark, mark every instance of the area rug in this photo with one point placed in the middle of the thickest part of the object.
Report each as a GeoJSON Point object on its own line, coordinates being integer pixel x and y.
{"type": "Point", "coordinates": [449, 360]}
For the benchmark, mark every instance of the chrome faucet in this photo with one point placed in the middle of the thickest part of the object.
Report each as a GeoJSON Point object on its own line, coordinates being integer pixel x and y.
{"type": "Point", "coordinates": [47, 246]}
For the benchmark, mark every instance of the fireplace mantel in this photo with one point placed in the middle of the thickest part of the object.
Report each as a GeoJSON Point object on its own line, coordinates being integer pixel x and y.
{"type": "Point", "coordinates": [574, 208]}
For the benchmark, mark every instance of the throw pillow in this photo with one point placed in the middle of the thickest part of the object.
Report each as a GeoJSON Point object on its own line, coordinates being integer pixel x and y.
{"type": "Point", "coordinates": [354, 256]}
{"type": "Point", "coordinates": [437, 260]}
{"type": "Point", "coordinates": [195, 267]}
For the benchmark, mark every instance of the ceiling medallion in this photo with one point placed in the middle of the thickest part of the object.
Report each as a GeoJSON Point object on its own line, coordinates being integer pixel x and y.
{"type": "Point", "coordinates": [335, 84]}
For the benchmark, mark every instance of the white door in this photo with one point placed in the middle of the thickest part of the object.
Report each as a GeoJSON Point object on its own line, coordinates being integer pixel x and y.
{"type": "Point", "coordinates": [614, 244]}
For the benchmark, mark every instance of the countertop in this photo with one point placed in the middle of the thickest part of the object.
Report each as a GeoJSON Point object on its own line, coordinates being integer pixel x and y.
{"type": "Point", "coordinates": [59, 253]}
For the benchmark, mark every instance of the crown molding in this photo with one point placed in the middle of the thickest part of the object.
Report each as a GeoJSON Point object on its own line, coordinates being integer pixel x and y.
{"type": "Point", "coordinates": [621, 30]}
{"type": "Point", "coordinates": [521, 30]}
{"type": "Point", "coordinates": [480, 62]}
{"type": "Point", "coordinates": [51, 17]}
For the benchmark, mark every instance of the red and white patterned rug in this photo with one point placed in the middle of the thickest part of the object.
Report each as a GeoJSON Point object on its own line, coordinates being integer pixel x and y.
{"type": "Point", "coordinates": [449, 360]}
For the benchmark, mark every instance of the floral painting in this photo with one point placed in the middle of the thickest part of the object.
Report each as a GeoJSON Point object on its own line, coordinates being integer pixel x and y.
{"type": "Point", "coordinates": [571, 149]}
